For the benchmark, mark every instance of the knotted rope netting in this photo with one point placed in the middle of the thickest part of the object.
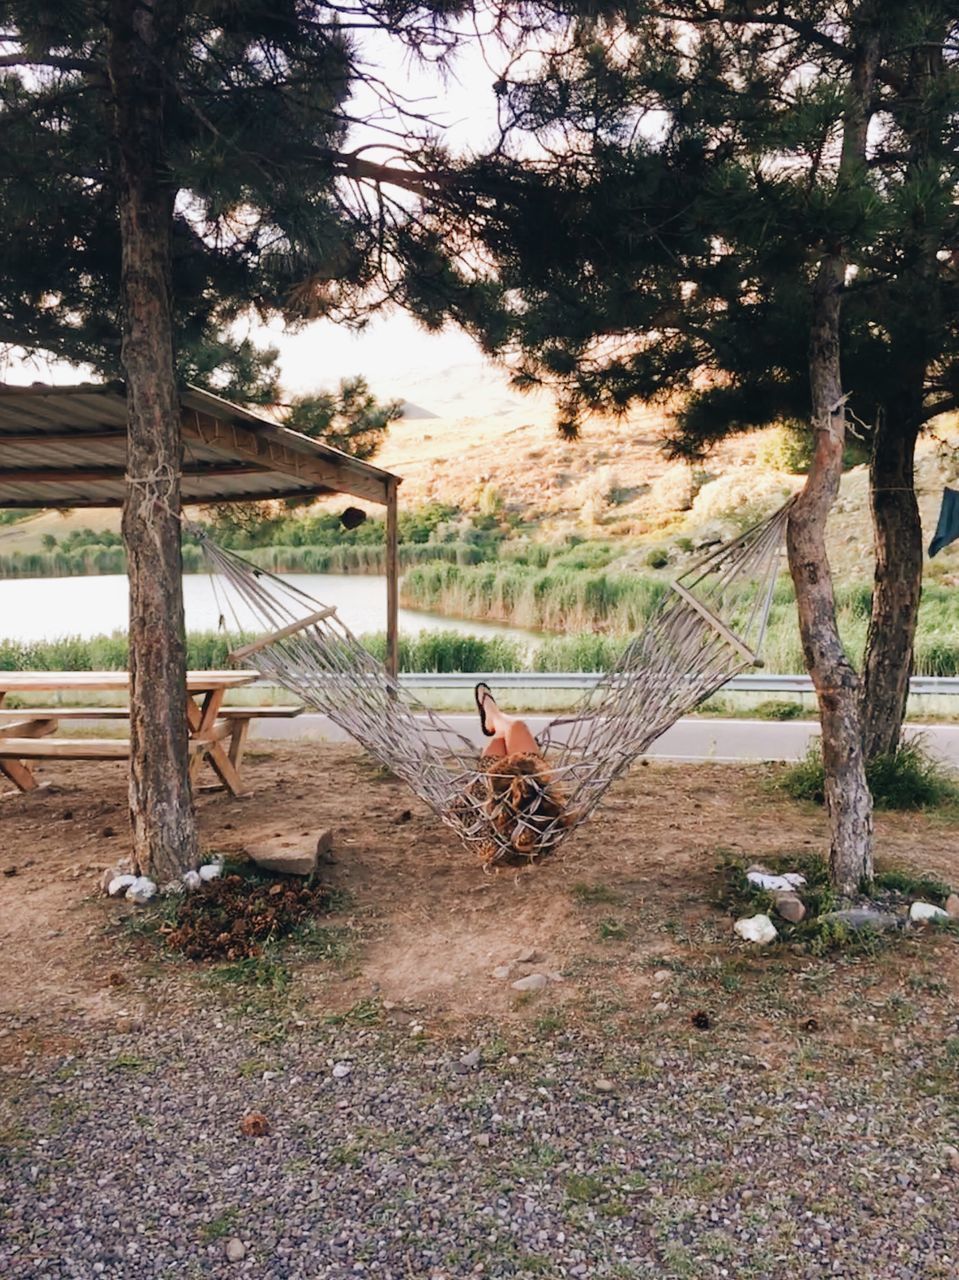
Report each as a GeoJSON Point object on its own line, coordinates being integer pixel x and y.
{"type": "Point", "coordinates": [707, 628]}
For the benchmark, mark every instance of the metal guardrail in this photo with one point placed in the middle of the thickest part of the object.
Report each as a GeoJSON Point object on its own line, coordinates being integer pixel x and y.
{"type": "Point", "coordinates": [759, 683]}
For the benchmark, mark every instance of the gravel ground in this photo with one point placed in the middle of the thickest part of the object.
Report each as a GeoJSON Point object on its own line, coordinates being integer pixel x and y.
{"type": "Point", "coordinates": [568, 1156]}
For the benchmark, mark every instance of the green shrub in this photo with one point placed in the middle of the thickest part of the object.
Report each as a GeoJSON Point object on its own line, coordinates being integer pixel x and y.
{"type": "Point", "coordinates": [909, 778]}
{"type": "Point", "coordinates": [658, 558]}
{"type": "Point", "coordinates": [774, 709]}
{"type": "Point", "coordinates": [787, 448]}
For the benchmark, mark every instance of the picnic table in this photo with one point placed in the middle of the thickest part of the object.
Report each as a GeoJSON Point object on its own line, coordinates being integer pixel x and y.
{"type": "Point", "coordinates": [217, 733]}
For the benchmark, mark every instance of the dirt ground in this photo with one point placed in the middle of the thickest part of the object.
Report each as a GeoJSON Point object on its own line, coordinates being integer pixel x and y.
{"type": "Point", "coordinates": [423, 926]}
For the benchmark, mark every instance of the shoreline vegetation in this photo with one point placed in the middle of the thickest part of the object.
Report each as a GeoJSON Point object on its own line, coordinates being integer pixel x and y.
{"type": "Point", "coordinates": [583, 595]}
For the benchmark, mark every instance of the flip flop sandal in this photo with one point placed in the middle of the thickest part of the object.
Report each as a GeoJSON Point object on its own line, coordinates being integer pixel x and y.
{"type": "Point", "coordinates": [480, 693]}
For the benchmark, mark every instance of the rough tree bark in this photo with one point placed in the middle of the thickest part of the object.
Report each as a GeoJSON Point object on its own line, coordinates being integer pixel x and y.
{"type": "Point", "coordinates": [898, 582]}
{"type": "Point", "coordinates": [897, 589]}
{"type": "Point", "coordinates": [142, 43]}
{"type": "Point", "coordinates": [848, 801]}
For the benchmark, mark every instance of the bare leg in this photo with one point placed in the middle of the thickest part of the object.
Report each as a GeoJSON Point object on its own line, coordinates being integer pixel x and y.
{"type": "Point", "coordinates": [519, 740]}
{"type": "Point", "coordinates": [495, 747]}
{"type": "Point", "coordinates": [511, 731]}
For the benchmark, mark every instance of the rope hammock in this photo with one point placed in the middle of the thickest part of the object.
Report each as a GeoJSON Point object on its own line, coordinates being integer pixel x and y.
{"type": "Point", "coordinates": [706, 629]}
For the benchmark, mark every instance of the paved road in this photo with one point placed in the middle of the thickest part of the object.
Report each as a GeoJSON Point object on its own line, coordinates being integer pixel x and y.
{"type": "Point", "coordinates": [688, 739]}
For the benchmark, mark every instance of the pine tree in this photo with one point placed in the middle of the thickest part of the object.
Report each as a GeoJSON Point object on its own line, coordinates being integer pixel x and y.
{"type": "Point", "coordinates": [350, 419]}
{"type": "Point", "coordinates": [736, 199]}
{"type": "Point", "coordinates": [164, 168]}
{"type": "Point", "coordinates": [715, 202]}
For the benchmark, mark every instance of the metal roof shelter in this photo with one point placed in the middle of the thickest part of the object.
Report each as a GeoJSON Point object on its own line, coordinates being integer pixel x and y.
{"type": "Point", "coordinates": [66, 447]}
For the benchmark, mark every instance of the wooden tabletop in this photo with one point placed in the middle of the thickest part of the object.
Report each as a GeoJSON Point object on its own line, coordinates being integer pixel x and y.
{"type": "Point", "coordinates": [34, 681]}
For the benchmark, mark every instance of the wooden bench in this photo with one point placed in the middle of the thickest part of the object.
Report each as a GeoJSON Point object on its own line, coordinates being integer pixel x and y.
{"type": "Point", "coordinates": [25, 734]}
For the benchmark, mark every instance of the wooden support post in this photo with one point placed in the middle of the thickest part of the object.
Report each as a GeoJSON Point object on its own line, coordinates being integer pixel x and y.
{"type": "Point", "coordinates": [392, 582]}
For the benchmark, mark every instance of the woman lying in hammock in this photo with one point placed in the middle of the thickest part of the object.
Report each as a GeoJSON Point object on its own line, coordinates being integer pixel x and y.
{"type": "Point", "coordinates": [521, 796]}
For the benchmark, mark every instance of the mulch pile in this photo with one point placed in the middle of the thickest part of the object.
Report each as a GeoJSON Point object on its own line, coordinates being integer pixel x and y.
{"type": "Point", "coordinates": [234, 917]}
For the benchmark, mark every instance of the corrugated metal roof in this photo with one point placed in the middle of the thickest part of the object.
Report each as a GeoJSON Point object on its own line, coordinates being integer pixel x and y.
{"type": "Point", "coordinates": [66, 447]}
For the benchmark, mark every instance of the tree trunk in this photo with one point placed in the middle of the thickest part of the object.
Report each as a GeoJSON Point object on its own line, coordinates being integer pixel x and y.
{"type": "Point", "coordinates": [848, 801]}
{"type": "Point", "coordinates": [898, 583]}
{"type": "Point", "coordinates": [142, 47]}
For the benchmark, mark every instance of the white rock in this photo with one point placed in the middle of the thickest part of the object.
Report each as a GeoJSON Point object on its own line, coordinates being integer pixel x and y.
{"type": "Point", "coordinates": [763, 880]}
{"type": "Point", "coordinates": [341, 1070]}
{"type": "Point", "coordinates": [141, 890]}
{"type": "Point", "coordinates": [919, 912]}
{"type": "Point", "coordinates": [471, 1059]}
{"type": "Point", "coordinates": [210, 871]}
{"type": "Point", "coordinates": [603, 1085]}
{"type": "Point", "coordinates": [120, 884]}
{"type": "Point", "coordinates": [662, 975]}
{"type": "Point", "coordinates": [481, 1139]}
{"type": "Point", "coordinates": [235, 1250]}
{"type": "Point", "coordinates": [192, 880]}
{"type": "Point", "coordinates": [532, 982]}
{"type": "Point", "coordinates": [502, 972]}
{"type": "Point", "coordinates": [756, 929]}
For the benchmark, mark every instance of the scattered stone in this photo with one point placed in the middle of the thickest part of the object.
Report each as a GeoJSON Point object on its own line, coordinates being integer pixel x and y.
{"type": "Point", "coordinates": [502, 972]}
{"type": "Point", "coordinates": [763, 879]}
{"type": "Point", "coordinates": [952, 906]}
{"type": "Point", "coordinates": [211, 871]}
{"type": "Point", "coordinates": [862, 918]}
{"type": "Point", "coordinates": [471, 1060]}
{"type": "Point", "coordinates": [254, 1125]}
{"type": "Point", "coordinates": [235, 1250]}
{"type": "Point", "coordinates": [532, 982]}
{"type": "Point", "coordinates": [284, 856]}
{"type": "Point", "coordinates": [662, 975]}
{"type": "Point", "coordinates": [790, 906]}
{"type": "Point", "coordinates": [140, 891]}
{"type": "Point", "coordinates": [118, 885]}
{"type": "Point", "coordinates": [9, 871]}
{"type": "Point", "coordinates": [481, 1139]}
{"type": "Point", "coordinates": [921, 912]}
{"type": "Point", "coordinates": [758, 928]}
{"type": "Point", "coordinates": [192, 880]}
{"type": "Point", "coordinates": [341, 1070]}
{"type": "Point", "coordinates": [528, 956]}
{"type": "Point", "coordinates": [951, 1155]}
{"type": "Point", "coordinates": [603, 1085]}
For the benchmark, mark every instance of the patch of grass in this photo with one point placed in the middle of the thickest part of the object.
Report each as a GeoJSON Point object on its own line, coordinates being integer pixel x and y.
{"type": "Point", "coordinates": [365, 1013]}
{"type": "Point", "coordinates": [219, 1227]}
{"type": "Point", "coordinates": [127, 1062]}
{"type": "Point", "coordinates": [595, 894]}
{"type": "Point", "coordinates": [899, 880]}
{"type": "Point", "coordinates": [333, 942]}
{"type": "Point", "coordinates": [583, 1188]}
{"type": "Point", "coordinates": [910, 778]}
{"type": "Point", "coordinates": [612, 930]}
{"type": "Point", "coordinates": [774, 709]}
{"type": "Point", "coordinates": [252, 971]}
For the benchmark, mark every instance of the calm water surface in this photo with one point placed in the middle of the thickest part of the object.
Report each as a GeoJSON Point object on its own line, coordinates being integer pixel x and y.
{"type": "Point", "coordinates": [47, 608]}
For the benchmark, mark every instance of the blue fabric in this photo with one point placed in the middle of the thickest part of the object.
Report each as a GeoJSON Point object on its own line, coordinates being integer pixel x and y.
{"type": "Point", "coordinates": [947, 530]}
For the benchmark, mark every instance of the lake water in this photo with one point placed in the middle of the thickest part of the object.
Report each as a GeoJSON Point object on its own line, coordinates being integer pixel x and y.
{"type": "Point", "coordinates": [48, 608]}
